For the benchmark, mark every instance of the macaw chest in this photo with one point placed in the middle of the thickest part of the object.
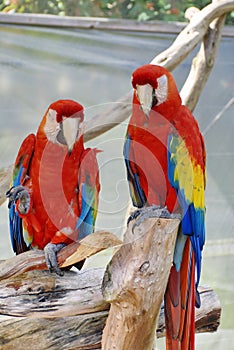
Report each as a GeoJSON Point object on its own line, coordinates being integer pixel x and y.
{"type": "Point", "coordinates": [54, 175]}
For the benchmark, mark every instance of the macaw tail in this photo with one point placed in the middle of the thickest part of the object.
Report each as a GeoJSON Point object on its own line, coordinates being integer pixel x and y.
{"type": "Point", "coordinates": [180, 304]}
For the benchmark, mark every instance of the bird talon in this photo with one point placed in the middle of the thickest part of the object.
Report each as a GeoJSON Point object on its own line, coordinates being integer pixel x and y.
{"type": "Point", "coordinates": [133, 216]}
{"type": "Point", "coordinates": [152, 211]}
{"type": "Point", "coordinates": [51, 251]}
{"type": "Point", "coordinates": [19, 193]}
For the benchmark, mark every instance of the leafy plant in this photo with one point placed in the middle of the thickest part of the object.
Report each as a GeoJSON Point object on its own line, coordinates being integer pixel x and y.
{"type": "Point", "coordinates": [142, 10]}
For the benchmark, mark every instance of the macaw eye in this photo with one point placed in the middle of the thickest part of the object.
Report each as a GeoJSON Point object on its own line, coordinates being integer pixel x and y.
{"type": "Point", "coordinates": [154, 98]}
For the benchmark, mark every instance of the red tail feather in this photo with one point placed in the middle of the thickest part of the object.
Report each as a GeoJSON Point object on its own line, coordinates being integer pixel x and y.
{"type": "Point", "coordinates": [180, 307]}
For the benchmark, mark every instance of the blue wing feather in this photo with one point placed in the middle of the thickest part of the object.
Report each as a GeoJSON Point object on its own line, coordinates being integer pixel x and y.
{"type": "Point", "coordinates": [20, 172]}
{"type": "Point", "coordinates": [88, 192]}
{"type": "Point", "coordinates": [86, 220]}
{"type": "Point", "coordinates": [136, 191]}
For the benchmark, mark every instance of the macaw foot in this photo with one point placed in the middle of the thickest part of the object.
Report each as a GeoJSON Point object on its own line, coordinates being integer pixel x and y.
{"type": "Point", "coordinates": [19, 194]}
{"type": "Point", "coordinates": [51, 251]}
{"type": "Point", "coordinates": [151, 212]}
{"type": "Point", "coordinates": [134, 215]}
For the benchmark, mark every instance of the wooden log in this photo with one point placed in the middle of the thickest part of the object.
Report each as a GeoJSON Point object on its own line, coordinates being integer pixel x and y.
{"type": "Point", "coordinates": [68, 256]}
{"type": "Point", "coordinates": [135, 282]}
{"type": "Point", "coordinates": [207, 317]}
{"type": "Point", "coordinates": [42, 294]}
{"type": "Point", "coordinates": [65, 333]}
{"type": "Point", "coordinates": [69, 312]}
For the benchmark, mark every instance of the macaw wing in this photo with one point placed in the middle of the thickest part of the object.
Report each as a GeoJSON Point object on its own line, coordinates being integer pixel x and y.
{"type": "Point", "coordinates": [89, 187]}
{"type": "Point", "coordinates": [187, 175]}
{"type": "Point", "coordinates": [136, 191]}
{"type": "Point", "coordinates": [20, 175]}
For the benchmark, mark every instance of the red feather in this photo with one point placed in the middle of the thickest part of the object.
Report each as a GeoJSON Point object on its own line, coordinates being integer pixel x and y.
{"type": "Point", "coordinates": [51, 176]}
{"type": "Point", "coordinates": [158, 173]}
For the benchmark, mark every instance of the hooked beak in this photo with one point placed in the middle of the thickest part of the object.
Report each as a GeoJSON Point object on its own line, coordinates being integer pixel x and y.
{"type": "Point", "coordinates": [144, 94]}
{"type": "Point", "coordinates": [71, 131]}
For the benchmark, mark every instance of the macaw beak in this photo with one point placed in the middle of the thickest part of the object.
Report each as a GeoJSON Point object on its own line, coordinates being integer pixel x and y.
{"type": "Point", "coordinates": [145, 97]}
{"type": "Point", "coordinates": [71, 131]}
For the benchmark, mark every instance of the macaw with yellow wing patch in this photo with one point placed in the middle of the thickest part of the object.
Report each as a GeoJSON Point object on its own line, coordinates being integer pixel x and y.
{"type": "Point", "coordinates": [54, 195]}
{"type": "Point", "coordinates": [165, 158]}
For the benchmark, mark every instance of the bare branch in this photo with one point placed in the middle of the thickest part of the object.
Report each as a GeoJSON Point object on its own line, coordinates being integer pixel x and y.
{"type": "Point", "coordinates": [68, 256]}
{"type": "Point", "coordinates": [202, 64]}
{"type": "Point", "coordinates": [191, 35]}
{"type": "Point", "coordinates": [185, 42]}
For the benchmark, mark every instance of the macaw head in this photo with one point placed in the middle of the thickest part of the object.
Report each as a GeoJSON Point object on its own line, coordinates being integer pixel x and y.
{"type": "Point", "coordinates": [154, 86]}
{"type": "Point", "coordinates": [62, 123]}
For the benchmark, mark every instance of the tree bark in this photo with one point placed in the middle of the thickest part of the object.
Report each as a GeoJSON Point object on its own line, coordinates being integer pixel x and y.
{"type": "Point", "coordinates": [45, 311]}
{"type": "Point", "coordinates": [135, 282]}
{"type": "Point", "coordinates": [68, 256]}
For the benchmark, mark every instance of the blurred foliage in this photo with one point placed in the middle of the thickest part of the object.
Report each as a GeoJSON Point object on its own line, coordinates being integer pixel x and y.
{"type": "Point", "coordinates": [142, 10]}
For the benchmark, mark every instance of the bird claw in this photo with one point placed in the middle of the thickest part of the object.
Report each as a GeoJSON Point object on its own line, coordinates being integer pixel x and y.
{"type": "Point", "coordinates": [134, 215]}
{"type": "Point", "coordinates": [51, 251]}
{"type": "Point", "coordinates": [152, 212]}
{"type": "Point", "coordinates": [19, 193]}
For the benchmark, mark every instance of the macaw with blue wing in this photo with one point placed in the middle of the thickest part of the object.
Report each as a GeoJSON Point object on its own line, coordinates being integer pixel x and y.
{"type": "Point", "coordinates": [55, 186]}
{"type": "Point", "coordinates": [165, 158]}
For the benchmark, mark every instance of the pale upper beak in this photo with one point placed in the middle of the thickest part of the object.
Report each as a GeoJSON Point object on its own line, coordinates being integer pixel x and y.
{"type": "Point", "coordinates": [71, 131]}
{"type": "Point", "coordinates": [144, 94]}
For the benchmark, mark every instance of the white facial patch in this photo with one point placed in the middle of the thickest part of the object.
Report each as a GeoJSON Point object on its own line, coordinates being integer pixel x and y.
{"type": "Point", "coordinates": [162, 90]}
{"type": "Point", "coordinates": [51, 127]}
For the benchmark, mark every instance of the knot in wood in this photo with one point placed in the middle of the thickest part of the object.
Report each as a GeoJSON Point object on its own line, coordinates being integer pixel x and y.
{"type": "Point", "coordinates": [144, 267]}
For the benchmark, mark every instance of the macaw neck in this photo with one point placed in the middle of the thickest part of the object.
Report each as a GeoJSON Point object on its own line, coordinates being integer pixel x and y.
{"type": "Point", "coordinates": [162, 114]}
{"type": "Point", "coordinates": [56, 150]}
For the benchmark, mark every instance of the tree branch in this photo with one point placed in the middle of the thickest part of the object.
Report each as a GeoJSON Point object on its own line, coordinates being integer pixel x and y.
{"type": "Point", "coordinates": [202, 64]}
{"type": "Point", "coordinates": [185, 42]}
{"type": "Point", "coordinates": [191, 35]}
{"type": "Point", "coordinates": [69, 312]}
{"type": "Point", "coordinates": [68, 256]}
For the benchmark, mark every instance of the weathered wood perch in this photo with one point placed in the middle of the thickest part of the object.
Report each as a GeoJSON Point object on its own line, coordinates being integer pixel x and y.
{"type": "Point", "coordinates": [45, 311]}
{"type": "Point", "coordinates": [135, 283]}
{"type": "Point", "coordinates": [68, 256]}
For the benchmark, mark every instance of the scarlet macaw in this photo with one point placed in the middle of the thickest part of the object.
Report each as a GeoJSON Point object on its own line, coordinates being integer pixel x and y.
{"type": "Point", "coordinates": [54, 195]}
{"type": "Point", "coordinates": [165, 158]}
